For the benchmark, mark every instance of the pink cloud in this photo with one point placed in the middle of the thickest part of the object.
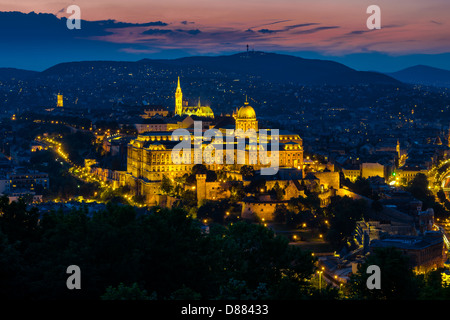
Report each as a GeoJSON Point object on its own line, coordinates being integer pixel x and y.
{"type": "Point", "coordinates": [334, 27]}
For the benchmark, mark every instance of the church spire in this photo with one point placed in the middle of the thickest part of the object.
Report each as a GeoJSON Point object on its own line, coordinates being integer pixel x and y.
{"type": "Point", "coordinates": [178, 99]}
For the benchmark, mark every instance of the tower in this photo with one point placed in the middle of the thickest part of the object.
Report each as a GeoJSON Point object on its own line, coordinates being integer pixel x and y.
{"type": "Point", "coordinates": [178, 99]}
{"type": "Point", "coordinates": [59, 102]}
{"type": "Point", "coordinates": [201, 188]}
{"type": "Point", "coordinates": [398, 149]}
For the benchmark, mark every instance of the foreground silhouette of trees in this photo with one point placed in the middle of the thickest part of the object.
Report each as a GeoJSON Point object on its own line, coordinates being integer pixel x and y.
{"type": "Point", "coordinates": [167, 254]}
{"type": "Point", "coordinates": [164, 253]}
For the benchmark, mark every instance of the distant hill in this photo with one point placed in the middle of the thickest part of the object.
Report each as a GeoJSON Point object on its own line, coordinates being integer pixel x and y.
{"type": "Point", "coordinates": [425, 75]}
{"type": "Point", "coordinates": [282, 68]}
{"type": "Point", "coordinates": [7, 74]}
{"type": "Point", "coordinates": [103, 83]}
{"type": "Point", "coordinates": [267, 66]}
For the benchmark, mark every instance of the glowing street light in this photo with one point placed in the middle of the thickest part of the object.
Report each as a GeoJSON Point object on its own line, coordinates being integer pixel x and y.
{"type": "Point", "coordinates": [320, 279]}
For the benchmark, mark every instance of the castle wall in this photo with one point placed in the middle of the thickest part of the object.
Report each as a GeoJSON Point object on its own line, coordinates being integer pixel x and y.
{"type": "Point", "coordinates": [328, 179]}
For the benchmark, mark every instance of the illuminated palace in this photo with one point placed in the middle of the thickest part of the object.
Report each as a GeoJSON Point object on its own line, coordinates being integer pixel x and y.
{"type": "Point", "coordinates": [149, 156]}
{"type": "Point", "coordinates": [182, 107]}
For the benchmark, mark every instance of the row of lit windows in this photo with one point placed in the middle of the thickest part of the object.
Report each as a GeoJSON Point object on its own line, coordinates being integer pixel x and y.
{"type": "Point", "coordinates": [168, 168]}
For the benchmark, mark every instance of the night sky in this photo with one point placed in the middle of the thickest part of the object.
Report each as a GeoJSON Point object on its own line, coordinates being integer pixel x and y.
{"type": "Point", "coordinates": [34, 36]}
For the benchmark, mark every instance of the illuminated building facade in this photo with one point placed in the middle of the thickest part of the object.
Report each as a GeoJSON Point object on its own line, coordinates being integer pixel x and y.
{"type": "Point", "coordinates": [149, 155]}
{"type": "Point", "coordinates": [182, 107]}
{"type": "Point", "coordinates": [153, 111]}
{"type": "Point", "coordinates": [426, 252]}
{"type": "Point", "coordinates": [246, 118]}
{"type": "Point", "coordinates": [59, 101]}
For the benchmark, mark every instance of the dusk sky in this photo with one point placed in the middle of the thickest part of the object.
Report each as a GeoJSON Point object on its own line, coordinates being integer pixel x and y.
{"type": "Point", "coordinates": [412, 31]}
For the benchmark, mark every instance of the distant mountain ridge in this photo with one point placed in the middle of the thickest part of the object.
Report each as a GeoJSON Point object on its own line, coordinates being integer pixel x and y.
{"type": "Point", "coordinates": [424, 75]}
{"type": "Point", "coordinates": [267, 66]}
{"type": "Point", "coordinates": [17, 74]}
{"type": "Point", "coordinates": [282, 67]}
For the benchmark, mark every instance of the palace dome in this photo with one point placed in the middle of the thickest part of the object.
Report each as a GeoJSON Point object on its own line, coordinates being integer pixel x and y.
{"type": "Point", "coordinates": [206, 110]}
{"type": "Point", "coordinates": [246, 112]}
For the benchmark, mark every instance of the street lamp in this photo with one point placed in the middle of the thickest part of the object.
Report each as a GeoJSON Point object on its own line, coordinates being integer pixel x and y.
{"type": "Point", "coordinates": [320, 279]}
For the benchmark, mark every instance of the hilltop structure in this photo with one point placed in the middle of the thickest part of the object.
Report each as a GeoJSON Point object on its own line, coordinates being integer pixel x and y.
{"type": "Point", "coordinates": [149, 155]}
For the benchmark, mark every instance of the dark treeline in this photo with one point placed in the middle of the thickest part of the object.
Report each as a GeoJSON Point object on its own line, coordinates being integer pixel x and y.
{"type": "Point", "coordinates": [164, 254]}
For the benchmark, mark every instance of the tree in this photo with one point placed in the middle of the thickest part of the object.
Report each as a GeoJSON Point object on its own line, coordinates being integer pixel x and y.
{"type": "Point", "coordinates": [237, 192]}
{"type": "Point", "coordinates": [256, 186]}
{"type": "Point", "coordinates": [362, 187]}
{"type": "Point", "coordinates": [277, 192]}
{"type": "Point", "coordinates": [176, 253]}
{"type": "Point", "coordinates": [441, 196]}
{"type": "Point", "coordinates": [11, 269]}
{"type": "Point", "coordinates": [75, 144]}
{"type": "Point", "coordinates": [397, 278]}
{"type": "Point", "coordinates": [116, 196]}
{"type": "Point", "coordinates": [185, 293]}
{"type": "Point", "coordinates": [125, 255]}
{"type": "Point", "coordinates": [123, 292]}
{"type": "Point", "coordinates": [345, 213]}
{"type": "Point", "coordinates": [377, 206]}
{"type": "Point", "coordinates": [247, 171]}
{"type": "Point", "coordinates": [18, 222]}
{"type": "Point", "coordinates": [440, 211]}
{"type": "Point", "coordinates": [280, 214]}
{"type": "Point", "coordinates": [214, 210]}
{"type": "Point", "coordinates": [188, 201]}
{"type": "Point", "coordinates": [198, 169]}
{"type": "Point", "coordinates": [255, 254]}
{"type": "Point", "coordinates": [166, 186]}
{"type": "Point", "coordinates": [238, 290]}
{"type": "Point", "coordinates": [418, 187]}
